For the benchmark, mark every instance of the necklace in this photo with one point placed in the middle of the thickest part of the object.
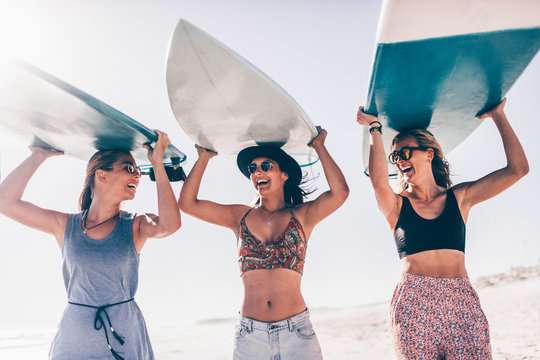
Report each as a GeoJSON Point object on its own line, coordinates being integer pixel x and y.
{"type": "Point", "coordinates": [85, 228]}
{"type": "Point", "coordinates": [269, 220]}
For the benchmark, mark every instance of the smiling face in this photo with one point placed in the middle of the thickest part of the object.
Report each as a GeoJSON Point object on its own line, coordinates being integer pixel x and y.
{"type": "Point", "coordinates": [117, 182]}
{"type": "Point", "coordinates": [125, 176]}
{"type": "Point", "coordinates": [270, 181]}
{"type": "Point", "coordinates": [418, 166]}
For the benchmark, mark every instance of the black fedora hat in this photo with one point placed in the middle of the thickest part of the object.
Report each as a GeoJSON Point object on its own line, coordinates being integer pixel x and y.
{"type": "Point", "coordinates": [286, 163]}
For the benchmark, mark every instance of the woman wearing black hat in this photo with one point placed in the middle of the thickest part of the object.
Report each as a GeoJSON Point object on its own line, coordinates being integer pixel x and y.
{"type": "Point", "coordinates": [274, 319]}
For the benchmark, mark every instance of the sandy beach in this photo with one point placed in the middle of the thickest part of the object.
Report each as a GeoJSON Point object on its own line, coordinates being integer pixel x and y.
{"type": "Point", "coordinates": [510, 300]}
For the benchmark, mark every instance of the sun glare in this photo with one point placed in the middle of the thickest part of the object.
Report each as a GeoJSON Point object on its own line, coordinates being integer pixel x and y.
{"type": "Point", "coordinates": [19, 30]}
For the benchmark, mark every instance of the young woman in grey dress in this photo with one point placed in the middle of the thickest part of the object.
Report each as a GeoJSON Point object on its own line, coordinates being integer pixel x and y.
{"type": "Point", "coordinates": [100, 248]}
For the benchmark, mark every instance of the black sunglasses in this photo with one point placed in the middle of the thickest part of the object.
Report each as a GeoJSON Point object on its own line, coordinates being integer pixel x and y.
{"type": "Point", "coordinates": [404, 154]}
{"type": "Point", "coordinates": [130, 168]}
{"type": "Point", "coordinates": [265, 166]}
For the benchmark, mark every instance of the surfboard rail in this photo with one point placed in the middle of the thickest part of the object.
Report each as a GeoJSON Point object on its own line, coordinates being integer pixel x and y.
{"type": "Point", "coordinates": [225, 103]}
{"type": "Point", "coordinates": [441, 72]}
{"type": "Point", "coordinates": [42, 110]}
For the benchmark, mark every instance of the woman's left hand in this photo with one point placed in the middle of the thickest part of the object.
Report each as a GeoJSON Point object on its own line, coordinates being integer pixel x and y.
{"type": "Point", "coordinates": [499, 109]}
{"type": "Point", "coordinates": [155, 154]}
{"type": "Point", "coordinates": [363, 118]}
{"type": "Point", "coordinates": [318, 141]}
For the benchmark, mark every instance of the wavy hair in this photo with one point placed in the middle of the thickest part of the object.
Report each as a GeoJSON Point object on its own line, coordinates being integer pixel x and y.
{"type": "Point", "coordinates": [439, 165]}
{"type": "Point", "coordinates": [103, 159]}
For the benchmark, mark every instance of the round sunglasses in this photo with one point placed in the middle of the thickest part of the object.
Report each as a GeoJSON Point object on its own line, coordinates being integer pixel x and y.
{"type": "Point", "coordinates": [265, 166]}
{"type": "Point", "coordinates": [130, 168]}
{"type": "Point", "coordinates": [404, 153]}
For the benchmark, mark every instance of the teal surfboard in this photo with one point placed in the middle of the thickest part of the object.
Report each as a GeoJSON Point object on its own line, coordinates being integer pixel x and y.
{"type": "Point", "coordinates": [439, 63]}
{"type": "Point", "coordinates": [224, 103]}
{"type": "Point", "coordinates": [42, 110]}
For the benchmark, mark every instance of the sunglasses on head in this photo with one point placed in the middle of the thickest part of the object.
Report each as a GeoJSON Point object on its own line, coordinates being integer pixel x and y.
{"type": "Point", "coordinates": [404, 153]}
{"type": "Point", "coordinates": [265, 166]}
{"type": "Point", "coordinates": [130, 168]}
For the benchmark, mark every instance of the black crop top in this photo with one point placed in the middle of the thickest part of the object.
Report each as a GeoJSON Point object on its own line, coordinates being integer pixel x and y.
{"type": "Point", "coordinates": [414, 234]}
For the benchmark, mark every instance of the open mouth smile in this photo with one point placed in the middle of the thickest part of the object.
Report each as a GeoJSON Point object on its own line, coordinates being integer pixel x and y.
{"type": "Point", "coordinates": [262, 182]}
{"type": "Point", "coordinates": [406, 169]}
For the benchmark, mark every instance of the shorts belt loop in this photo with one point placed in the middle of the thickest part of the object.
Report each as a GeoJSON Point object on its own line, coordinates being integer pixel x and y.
{"type": "Point", "coordinates": [250, 326]}
{"type": "Point", "coordinates": [291, 325]}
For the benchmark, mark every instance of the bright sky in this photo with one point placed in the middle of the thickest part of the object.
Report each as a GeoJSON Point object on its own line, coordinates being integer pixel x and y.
{"type": "Point", "coordinates": [320, 52]}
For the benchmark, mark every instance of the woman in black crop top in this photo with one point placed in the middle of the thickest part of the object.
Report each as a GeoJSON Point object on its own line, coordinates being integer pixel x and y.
{"type": "Point", "coordinates": [435, 312]}
{"type": "Point", "coordinates": [271, 238]}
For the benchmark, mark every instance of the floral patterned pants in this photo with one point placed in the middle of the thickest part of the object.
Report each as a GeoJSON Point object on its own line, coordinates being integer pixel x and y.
{"type": "Point", "coordinates": [438, 318]}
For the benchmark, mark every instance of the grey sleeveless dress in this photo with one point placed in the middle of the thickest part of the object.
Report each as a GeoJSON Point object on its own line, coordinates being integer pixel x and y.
{"type": "Point", "coordinates": [99, 273]}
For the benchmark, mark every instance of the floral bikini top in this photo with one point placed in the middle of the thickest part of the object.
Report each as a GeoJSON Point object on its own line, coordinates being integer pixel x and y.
{"type": "Point", "coordinates": [287, 251]}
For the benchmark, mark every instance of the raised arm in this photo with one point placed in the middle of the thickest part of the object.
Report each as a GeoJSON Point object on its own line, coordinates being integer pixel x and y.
{"type": "Point", "coordinates": [387, 200]}
{"type": "Point", "coordinates": [24, 212]}
{"type": "Point", "coordinates": [223, 215]}
{"type": "Point", "coordinates": [472, 193]}
{"type": "Point", "coordinates": [330, 200]}
{"type": "Point", "coordinates": [168, 219]}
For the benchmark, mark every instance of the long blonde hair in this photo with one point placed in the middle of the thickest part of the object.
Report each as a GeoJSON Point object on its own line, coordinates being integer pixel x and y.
{"type": "Point", "coordinates": [439, 165]}
{"type": "Point", "coordinates": [103, 159]}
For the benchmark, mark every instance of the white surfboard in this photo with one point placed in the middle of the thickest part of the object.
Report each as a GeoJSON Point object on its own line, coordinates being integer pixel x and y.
{"type": "Point", "coordinates": [42, 110]}
{"type": "Point", "coordinates": [225, 104]}
{"type": "Point", "coordinates": [439, 63]}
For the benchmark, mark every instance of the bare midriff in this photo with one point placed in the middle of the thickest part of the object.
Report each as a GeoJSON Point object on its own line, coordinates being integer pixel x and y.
{"type": "Point", "coordinates": [445, 263]}
{"type": "Point", "coordinates": [272, 295]}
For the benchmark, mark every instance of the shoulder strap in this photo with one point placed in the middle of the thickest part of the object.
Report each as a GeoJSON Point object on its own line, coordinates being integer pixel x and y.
{"type": "Point", "coordinates": [405, 200]}
{"type": "Point", "coordinates": [242, 222]}
{"type": "Point", "coordinates": [246, 214]}
{"type": "Point", "coordinates": [73, 221]}
{"type": "Point", "coordinates": [292, 213]}
{"type": "Point", "coordinates": [452, 200]}
{"type": "Point", "coordinates": [126, 219]}
{"type": "Point", "coordinates": [406, 208]}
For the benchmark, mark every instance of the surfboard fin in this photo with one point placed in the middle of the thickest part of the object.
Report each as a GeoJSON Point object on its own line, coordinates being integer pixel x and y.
{"type": "Point", "coordinates": [174, 173]}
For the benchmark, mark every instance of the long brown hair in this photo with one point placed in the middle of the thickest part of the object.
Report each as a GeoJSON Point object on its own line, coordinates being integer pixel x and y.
{"type": "Point", "coordinates": [103, 159]}
{"type": "Point", "coordinates": [439, 166]}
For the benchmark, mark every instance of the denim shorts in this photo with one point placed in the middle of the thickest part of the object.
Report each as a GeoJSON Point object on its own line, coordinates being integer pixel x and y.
{"type": "Point", "coordinates": [289, 339]}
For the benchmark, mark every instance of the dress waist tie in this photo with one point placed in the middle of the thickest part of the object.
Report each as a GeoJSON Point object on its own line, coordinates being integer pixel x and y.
{"type": "Point", "coordinates": [99, 323]}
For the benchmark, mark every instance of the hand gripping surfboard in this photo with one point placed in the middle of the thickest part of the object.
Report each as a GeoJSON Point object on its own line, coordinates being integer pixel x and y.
{"type": "Point", "coordinates": [225, 104]}
{"type": "Point", "coordinates": [439, 63]}
{"type": "Point", "coordinates": [42, 110]}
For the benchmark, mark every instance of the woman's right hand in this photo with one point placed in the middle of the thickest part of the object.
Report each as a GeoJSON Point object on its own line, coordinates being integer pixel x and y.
{"type": "Point", "coordinates": [364, 118]}
{"type": "Point", "coordinates": [44, 153]}
{"type": "Point", "coordinates": [205, 153]}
